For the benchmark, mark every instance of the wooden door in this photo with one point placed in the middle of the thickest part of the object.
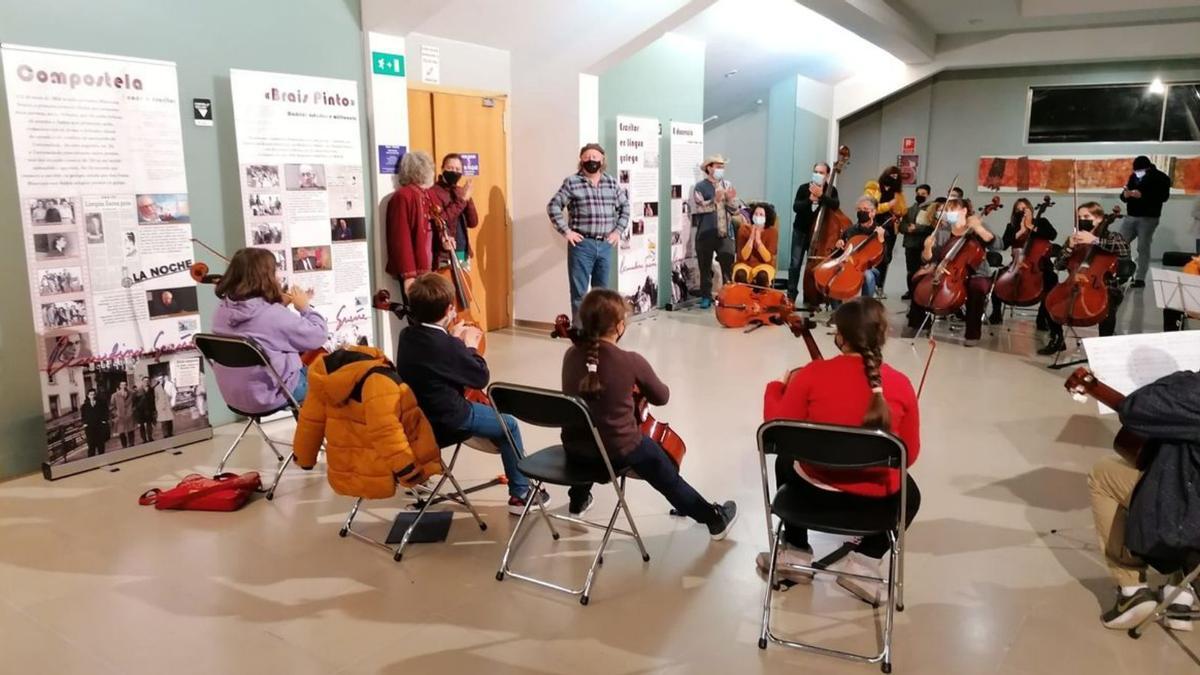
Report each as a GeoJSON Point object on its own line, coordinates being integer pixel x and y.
{"type": "Point", "coordinates": [420, 121]}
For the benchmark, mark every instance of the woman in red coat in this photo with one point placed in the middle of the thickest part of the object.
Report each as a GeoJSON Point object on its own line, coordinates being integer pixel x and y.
{"type": "Point", "coordinates": [855, 388]}
{"type": "Point", "coordinates": [409, 233]}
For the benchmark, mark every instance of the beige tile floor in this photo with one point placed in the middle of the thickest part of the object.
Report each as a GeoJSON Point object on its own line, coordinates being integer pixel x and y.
{"type": "Point", "coordinates": [92, 583]}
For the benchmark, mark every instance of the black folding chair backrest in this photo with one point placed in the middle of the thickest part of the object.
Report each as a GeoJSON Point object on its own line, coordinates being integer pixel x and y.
{"type": "Point", "coordinates": [995, 259]}
{"type": "Point", "coordinates": [547, 408]}
{"type": "Point", "coordinates": [1126, 268]}
{"type": "Point", "coordinates": [231, 351]}
{"type": "Point", "coordinates": [1176, 258]}
{"type": "Point", "coordinates": [832, 446]}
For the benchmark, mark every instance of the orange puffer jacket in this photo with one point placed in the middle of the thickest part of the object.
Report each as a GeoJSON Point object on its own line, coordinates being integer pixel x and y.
{"type": "Point", "coordinates": [376, 435]}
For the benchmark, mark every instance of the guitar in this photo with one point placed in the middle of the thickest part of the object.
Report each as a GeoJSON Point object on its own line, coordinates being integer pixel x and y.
{"type": "Point", "coordinates": [1128, 445]}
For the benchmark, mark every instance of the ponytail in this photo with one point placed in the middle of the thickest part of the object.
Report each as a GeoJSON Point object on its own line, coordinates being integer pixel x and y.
{"type": "Point", "coordinates": [599, 314]}
{"type": "Point", "coordinates": [862, 323]}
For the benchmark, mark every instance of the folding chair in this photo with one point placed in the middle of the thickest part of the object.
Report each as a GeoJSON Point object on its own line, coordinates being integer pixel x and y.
{"type": "Point", "coordinates": [836, 447]}
{"type": "Point", "coordinates": [1161, 611]}
{"type": "Point", "coordinates": [232, 351]}
{"type": "Point", "coordinates": [546, 408]}
{"type": "Point", "coordinates": [459, 496]}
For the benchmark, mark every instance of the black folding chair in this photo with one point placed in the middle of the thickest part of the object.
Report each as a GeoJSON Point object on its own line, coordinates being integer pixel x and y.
{"type": "Point", "coordinates": [839, 448]}
{"type": "Point", "coordinates": [547, 408]}
{"type": "Point", "coordinates": [1163, 611]}
{"type": "Point", "coordinates": [232, 351]}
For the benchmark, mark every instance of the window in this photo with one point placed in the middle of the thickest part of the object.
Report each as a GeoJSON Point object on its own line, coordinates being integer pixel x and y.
{"type": "Point", "coordinates": [1182, 121]}
{"type": "Point", "coordinates": [1119, 113]}
{"type": "Point", "coordinates": [53, 405]}
{"type": "Point", "coordinates": [74, 402]}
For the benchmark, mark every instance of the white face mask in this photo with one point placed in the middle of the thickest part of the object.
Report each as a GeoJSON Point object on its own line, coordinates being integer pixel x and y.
{"type": "Point", "coordinates": [952, 218]}
{"type": "Point", "coordinates": [818, 178]}
{"type": "Point", "coordinates": [760, 220]}
{"type": "Point", "coordinates": [718, 173]}
{"type": "Point", "coordinates": [1140, 173]}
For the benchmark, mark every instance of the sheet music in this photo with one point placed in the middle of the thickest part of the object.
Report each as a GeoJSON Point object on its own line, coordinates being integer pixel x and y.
{"type": "Point", "coordinates": [1175, 290]}
{"type": "Point", "coordinates": [1126, 362]}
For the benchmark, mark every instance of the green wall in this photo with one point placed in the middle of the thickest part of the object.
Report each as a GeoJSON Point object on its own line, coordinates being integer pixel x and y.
{"type": "Point", "coordinates": [665, 81]}
{"type": "Point", "coordinates": [205, 40]}
{"type": "Point", "coordinates": [796, 139]}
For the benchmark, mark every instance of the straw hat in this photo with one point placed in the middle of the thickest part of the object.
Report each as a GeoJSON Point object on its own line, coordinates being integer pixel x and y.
{"type": "Point", "coordinates": [713, 159]}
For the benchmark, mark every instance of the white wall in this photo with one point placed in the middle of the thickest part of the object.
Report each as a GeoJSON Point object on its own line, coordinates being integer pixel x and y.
{"type": "Point", "coordinates": [463, 65]}
{"type": "Point", "coordinates": [743, 141]}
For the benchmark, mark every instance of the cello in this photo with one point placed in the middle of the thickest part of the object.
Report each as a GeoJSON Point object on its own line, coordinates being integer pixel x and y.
{"type": "Point", "coordinates": [659, 432]}
{"type": "Point", "coordinates": [828, 227]}
{"type": "Point", "coordinates": [1021, 284]}
{"type": "Point", "coordinates": [842, 277]}
{"type": "Point", "coordinates": [739, 305]}
{"type": "Point", "coordinates": [942, 288]}
{"type": "Point", "coordinates": [1082, 298]}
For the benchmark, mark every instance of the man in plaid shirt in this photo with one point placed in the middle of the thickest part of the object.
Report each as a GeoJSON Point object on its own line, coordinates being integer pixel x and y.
{"type": "Point", "coordinates": [599, 218]}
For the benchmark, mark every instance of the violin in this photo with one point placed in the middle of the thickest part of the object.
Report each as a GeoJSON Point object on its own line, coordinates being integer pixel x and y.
{"type": "Point", "coordinates": [828, 227]}
{"type": "Point", "coordinates": [464, 299]}
{"type": "Point", "coordinates": [659, 432]}
{"type": "Point", "coordinates": [1127, 443]}
{"type": "Point", "coordinates": [1082, 298]}
{"type": "Point", "coordinates": [991, 206]}
{"type": "Point", "coordinates": [1022, 284]}
{"type": "Point", "coordinates": [739, 305]}
{"type": "Point", "coordinates": [842, 277]}
{"type": "Point", "coordinates": [201, 274]}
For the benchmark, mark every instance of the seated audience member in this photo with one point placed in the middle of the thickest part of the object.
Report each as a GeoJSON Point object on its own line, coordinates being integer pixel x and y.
{"type": "Point", "coordinates": [855, 388]}
{"type": "Point", "coordinates": [757, 245]}
{"type": "Point", "coordinates": [1167, 412]}
{"type": "Point", "coordinates": [253, 305]}
{"type": "Point", "coordinates": [375, 434]}
{"type": "Point", "coordinates": [604, 375]}
{"type": "Point", "coordinates": [440, 367]}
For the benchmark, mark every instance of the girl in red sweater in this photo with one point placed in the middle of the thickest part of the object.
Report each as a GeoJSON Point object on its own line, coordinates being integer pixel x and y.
{"type": "Point", "coordinates": [855, 388]}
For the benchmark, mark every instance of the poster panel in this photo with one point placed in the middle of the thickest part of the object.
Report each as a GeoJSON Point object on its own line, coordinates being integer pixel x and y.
{"type": "Point", "coordinates": [1092, 175]}
{"type": "Point", "coordinates": [98, 151]}
{"type": "Point", "coordinates": [687, 151]}
{"type": "Point", "coordinates": [301, 172]}
{"type": "Point", "coordinates": [637, 173]}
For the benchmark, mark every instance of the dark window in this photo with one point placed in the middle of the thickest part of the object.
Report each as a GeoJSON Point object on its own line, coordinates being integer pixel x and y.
{"type": "Point", "coordinates": [1182, 122]}
{"type": "Point", "coordinates": [1113, 113]}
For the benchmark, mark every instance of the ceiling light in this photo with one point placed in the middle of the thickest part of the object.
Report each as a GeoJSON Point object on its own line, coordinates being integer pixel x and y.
{"type": "Point", "coordinates": [731, 73]}
{"type": "Point", "coordinates": [758, 102]}
{"type": "Point", "coordinates": [711, 118]}
{"type": "Point", "coordinates": [1157, 86]}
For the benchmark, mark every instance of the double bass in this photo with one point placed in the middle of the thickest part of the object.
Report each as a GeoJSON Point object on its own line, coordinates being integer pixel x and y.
{"type": "Point", "coordinates": [1022, 284]}
{"type": "Point", "coordinates": [1082, 298]}
{"type": "Point", "coordinates": [828, 227]}
{"type": "Point", "coordinates": [659, 432]}
{"type": "Point", "coordinates": [942, 288]}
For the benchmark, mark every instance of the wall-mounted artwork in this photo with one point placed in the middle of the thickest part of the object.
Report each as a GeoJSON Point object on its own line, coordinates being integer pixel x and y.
{"type": "Point", "coordinates": [1106, 175]}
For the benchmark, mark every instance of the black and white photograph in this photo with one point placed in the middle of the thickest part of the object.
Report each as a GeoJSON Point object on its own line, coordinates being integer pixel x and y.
{"type": "Point", "coordinates": [163, 302]}
{"type": "Point", "coordinates": [304, 176]}
{"type": "Point", "coordinates": [155, 209]}
{"type": "Point", "coordinates": [262, 176]}
{"type": "Point", "coordinates": [264, 205]}
{"type": "Point", "coordinates": [93, 227]}
{"type": "Point", "coordinates": [280, 259]}
{"type": "Point", "coordinates": [64, 314]}
{"type": "Point", "coordinates": [623, 177]}
{"type": "Point", "coordinates": [54, 245]}
{"type": "Point", "coordinates": [650, 210]}
{"type": "Point", "coordinates": [262, 234]}
{"type": "Point", "coordinates": [129, 244]}
{"type": "Point", "coordinates": [66, 347]}
{"type": "Point", "coordinates": [52, 211]}
{"type": "Point", "coordinates": [639, 226]}
{"type": "Point", "coordinates": [59, 281]}
{"type": "Point", "coordinates": [311, 258]}
{"type": "Point", "coordinates": [347, 229]}
{"type": "Point", "coordinates": [188, 326]}
{"type": "Point", "coordinates": [676, 192]}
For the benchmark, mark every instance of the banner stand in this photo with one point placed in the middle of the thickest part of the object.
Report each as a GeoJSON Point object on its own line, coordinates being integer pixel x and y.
{"type": "Point", "coordinates": [56, 471]}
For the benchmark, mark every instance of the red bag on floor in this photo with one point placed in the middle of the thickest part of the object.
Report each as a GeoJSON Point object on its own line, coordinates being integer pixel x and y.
{"type": "Point", "coordinates": [223, 492]}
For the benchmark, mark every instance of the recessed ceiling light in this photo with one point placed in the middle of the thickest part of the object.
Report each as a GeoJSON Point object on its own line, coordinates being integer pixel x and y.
{"type": "Point", "coordinates": [731, 73]}
{"type": "Point", "coordinates": [1157, 86]}
{"type": "Point", "coordinates": [758, 102]}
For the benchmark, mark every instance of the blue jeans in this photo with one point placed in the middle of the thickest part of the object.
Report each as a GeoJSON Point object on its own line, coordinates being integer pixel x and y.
{"type": "Point", "coordinates": [483, 422]}
{"type": "Point", "coordinates": [301, 390]}
{"type": "Point", "coordinates": [870, 280]}
{"type": "Point", "coordinates": [1133, 227]}
{"type": "Point", "coordinates": [587, 261]}
{"type": "Point", "coordinates": [652, 465]}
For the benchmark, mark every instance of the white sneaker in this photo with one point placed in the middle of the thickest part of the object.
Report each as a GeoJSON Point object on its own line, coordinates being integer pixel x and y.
{"type": "Point", "coordinates": [1181, 604]}
{"type": "Point", "coordinates": [872, 592]}
{"type": "Point", "coordinates": [787, 556]}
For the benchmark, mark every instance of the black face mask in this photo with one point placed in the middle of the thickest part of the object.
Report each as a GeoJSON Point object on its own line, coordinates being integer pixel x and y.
{"type": "Point", "coordinates": [864, 217]}
{"type": "Point", "coordinates": [590, 166]}
{"type": "Point", "coordinates": [920, 199]}
{"type": "Point", "coordinates": [451, 177]}
{"type": "Point", "coordinates": [1085, 225]}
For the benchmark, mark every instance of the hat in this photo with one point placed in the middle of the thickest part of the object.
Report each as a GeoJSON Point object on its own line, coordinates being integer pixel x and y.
{"type": "Point", "coordinates": [713, 159]}
{"type": "Point", "coordinates": [1142, 162]}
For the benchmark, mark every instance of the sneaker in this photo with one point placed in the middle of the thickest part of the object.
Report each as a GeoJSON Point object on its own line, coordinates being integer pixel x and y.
{"type": "Point", "coordinates": [996, 319]}
{"type": "Point", "coordinates": [880, 295]}
{"type": "Point", "coordinates": [1180, 606]}
{"type": "Point", "coordinates": [705, 303]}
{"type": "Point", "coordinates": [970, 343]}
{"type": "Point", "coordinates": [726, 516]}
{"type": "Point", "coordinates": [1055, 346]}
{"type": "Point", "coordinates": [787, 556]}
{"type": "Point", "coordinates": [576, 509]}
{"type": "Point", "coordinates": [906, 296]}
{"type": "Point", "coordinates": [1130, 610]}
{"type": "Point", "coordinates": [871, 592]}
{"type": "Point", "coordinates": [1138, 283]}
{"type": "Point", "coordinates": [516, 505]}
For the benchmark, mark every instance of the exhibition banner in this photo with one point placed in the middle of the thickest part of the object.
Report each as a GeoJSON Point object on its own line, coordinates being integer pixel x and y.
{"type": "Point", "coordinates": [98, 150]}
{"type": "Point", "coordinates": [687, 151]}
{"type": "Point", "coordinates": [637, 172]}
{"type": "Point", "coordinates": [300, 167]}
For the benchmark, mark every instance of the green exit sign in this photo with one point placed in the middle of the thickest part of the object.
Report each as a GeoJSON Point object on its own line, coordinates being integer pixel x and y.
{"type": "Point", "coordinates": [383, 63]}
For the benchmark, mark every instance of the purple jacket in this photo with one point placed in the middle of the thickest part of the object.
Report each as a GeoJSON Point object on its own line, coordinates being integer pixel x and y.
{"type": "Point", "coordinates": [281, 333]}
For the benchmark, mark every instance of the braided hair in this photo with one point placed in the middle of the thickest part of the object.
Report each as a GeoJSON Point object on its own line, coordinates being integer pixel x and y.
{"type": "Point", "coordinates": [862, 325]}
{"type": "Point", "coordinates": [599, 313]}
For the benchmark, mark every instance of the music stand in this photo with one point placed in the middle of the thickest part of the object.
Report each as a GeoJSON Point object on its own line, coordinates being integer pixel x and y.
{"type": "Point", "coordinates": [1176, 290]}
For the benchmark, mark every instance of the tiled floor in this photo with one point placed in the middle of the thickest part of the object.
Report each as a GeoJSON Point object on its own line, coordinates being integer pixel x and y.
{"type": "Point", "coordinates": [92, 583]}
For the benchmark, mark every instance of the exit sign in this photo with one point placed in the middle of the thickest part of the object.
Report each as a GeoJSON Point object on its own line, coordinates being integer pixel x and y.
{"type": "Point", "coordinates": [383, 63]}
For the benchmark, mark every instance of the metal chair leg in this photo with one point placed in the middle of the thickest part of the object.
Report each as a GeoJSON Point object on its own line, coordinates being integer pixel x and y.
{"type": "Point", "coordinates": [283, 464]}
{"type": "Point", "coordinates": [1186, 584]}
{"type": "Point", "coordinates": [270, 443]}
{"type": "Point", "coordinates": [467, 502]}
{"type": "Point", "coordinates": [591, 575]}
{"type": "Point", "coordinates": [512, 538]}
{"type": "Point", "coordinates": [928, 320]}
{"type": "Point", "coordinates": [764, 633]}
{"type": "Point", "coordinates": [229, 452]}
{"type": "Point", "coordinates": [350, 519]}
{"type": "Point", "coordinates": [889, 621]}
{"type": "Point", "coordinates": [413, 525]}
{"type": "Point", "coordinates": [629, 517]}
